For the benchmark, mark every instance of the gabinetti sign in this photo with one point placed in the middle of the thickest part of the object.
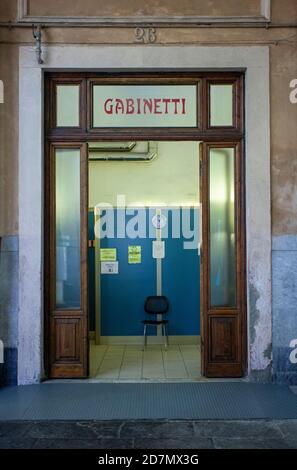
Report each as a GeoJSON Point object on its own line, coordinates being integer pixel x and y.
{"type": "Point", "coordinates": [145, 105]}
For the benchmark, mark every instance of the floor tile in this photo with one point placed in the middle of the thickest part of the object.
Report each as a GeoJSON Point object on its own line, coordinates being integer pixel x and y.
{"type": "Point", "coordinates": [155, 362]}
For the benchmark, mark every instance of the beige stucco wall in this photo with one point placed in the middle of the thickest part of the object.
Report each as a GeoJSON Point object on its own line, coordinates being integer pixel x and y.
{"type": "Point", "coordinates": [141, 7]}
{"type": "Point", "coordinates": [9, 141]}
{"type": "Point", "coordinates": [283, 53]}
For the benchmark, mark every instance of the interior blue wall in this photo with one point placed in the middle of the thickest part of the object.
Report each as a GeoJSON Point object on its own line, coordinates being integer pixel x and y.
{"type": "Point", "coordinates": [181, 282]}
{"type": "Point", "coordinates": [123, 294]}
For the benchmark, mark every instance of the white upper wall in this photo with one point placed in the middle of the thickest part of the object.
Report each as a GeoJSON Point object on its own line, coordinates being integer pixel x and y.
{"type": "Point", "coordinates": [171, 179]}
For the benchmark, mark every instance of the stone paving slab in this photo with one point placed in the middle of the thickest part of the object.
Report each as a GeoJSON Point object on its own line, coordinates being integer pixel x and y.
{"type": "Point", "coordinates": [163, 434]}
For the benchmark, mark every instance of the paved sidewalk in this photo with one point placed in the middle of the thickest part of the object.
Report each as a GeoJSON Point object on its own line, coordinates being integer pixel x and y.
{"type": "Point", "coordinates": [254, 434]}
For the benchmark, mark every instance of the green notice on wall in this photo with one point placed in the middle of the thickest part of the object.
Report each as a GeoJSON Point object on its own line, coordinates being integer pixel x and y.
{"type": "Point", "coordinates": [134, 254]}
{"type": "Point", "coordinates": [108, 254]}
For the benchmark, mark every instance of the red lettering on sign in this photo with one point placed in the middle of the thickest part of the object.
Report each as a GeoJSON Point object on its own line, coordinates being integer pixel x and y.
{"type": "Point", "coordinates": [157, 102]}
{"type": "Point", "coordinates": [130, 106]}
{"type": "Point", "coordinates": [147, 104]}
{"type": "Point", "coordinates": [153, 106]}
{"type": "Point", "coordinates": [166, 102]}
{"type": "Point", "coordinates": [108, 109]}
{"type": "Point", "coordinates": [138, 105]}
{"type": "Point", "coordinates": [183, 105]}
{"type": "Point", "coordinates": [175, 101]}
{"type": "Point", "coordinates": [119, 109]}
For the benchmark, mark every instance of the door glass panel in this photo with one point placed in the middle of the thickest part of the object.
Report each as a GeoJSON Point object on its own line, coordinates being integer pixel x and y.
{"type": "Point", "coordinates": [67, 228]}
{"type": "Point", "coordinates": [222, 228]}
{"type": "Point", "coordinates": [67, 106]}
{"type": "Point", "coordinates": [221, 105]}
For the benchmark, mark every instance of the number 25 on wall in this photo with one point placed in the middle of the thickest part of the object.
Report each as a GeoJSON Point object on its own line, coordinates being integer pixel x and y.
{"type": "Point", "coordinates": [145, 35]}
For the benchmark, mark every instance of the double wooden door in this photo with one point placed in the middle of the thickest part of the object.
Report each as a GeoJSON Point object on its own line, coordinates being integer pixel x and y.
{"type": "Point", "coordinates": [223, 323]}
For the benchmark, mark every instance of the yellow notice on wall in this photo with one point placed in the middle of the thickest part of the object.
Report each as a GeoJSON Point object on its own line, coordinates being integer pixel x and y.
{"type": "Point", "coordinates": [108, 254]}
{"type": "Point", "coordinates": [134, 254]}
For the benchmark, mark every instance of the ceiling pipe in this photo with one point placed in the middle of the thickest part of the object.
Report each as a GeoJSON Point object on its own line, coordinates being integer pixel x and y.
{"type": "Point", "coordinates": [148, 156]}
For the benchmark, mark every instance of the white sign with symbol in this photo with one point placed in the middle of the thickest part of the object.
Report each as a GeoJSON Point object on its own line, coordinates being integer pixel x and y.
{"type": "Point", "coordinates": [111, 267]}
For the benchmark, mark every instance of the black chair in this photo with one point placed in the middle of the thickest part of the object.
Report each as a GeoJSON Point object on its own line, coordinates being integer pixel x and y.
{"type": "Point", "coordinates": [156, 305]}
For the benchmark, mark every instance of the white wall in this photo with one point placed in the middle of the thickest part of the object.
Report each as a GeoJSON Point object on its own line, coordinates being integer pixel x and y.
{"type": "Point", "coordinates": [171, 179]}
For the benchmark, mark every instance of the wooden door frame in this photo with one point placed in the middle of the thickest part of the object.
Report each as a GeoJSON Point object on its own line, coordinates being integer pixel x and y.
{"type": "Point", "coordinates": [213, 368]}
{"type": "Point", "coordinates": [203, 133]}
{"type": "Point", "coordinates": [56, 367]}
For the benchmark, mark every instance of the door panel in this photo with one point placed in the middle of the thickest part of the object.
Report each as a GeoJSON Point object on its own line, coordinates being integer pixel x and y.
{"type": "Point", "coordinates": [223, 261]}
{"type": "Point", "coordinates": [68, 241]}
{"type": "Point", "coordinates": [222, 338]}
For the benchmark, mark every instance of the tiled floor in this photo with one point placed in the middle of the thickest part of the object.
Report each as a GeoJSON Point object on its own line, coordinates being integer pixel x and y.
{"type": "Point", "coordinates": [178, 362]}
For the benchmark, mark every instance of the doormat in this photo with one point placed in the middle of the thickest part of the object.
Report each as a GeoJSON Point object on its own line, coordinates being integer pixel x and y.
{"type": "Point", "coordinates": [152, 401]}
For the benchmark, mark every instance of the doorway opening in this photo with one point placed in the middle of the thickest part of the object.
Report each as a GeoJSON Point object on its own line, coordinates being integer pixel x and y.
{"type": "Point", "coordinates": [144, 240]}
{"type": "Point", "coordinates": [124, 158]}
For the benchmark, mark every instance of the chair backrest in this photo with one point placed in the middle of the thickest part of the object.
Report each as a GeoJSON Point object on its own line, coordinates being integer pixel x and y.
{"type": "Point", "coordinates": [157, 304]}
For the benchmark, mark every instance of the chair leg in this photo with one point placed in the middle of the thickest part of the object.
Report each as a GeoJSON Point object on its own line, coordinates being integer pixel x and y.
{"type": "Point", "coordinates": [144, 338]}
{"type": "Point", "coordinates": [167, 338]}
{"type": "Point", "coordinates": [164, 332]}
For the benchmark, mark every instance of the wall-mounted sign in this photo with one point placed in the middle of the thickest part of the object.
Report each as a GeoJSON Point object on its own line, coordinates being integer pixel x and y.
{"type": "Point", "coordinates": [108, 254]}
{"type": "Point", "coordinates": [145, 106]}
{"type": "Point", "coordinates": [158, 249]}
{"type": "Point", "coordinates": [134, 254]}
{"type": "Point", "coordinates": [110, 267]}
